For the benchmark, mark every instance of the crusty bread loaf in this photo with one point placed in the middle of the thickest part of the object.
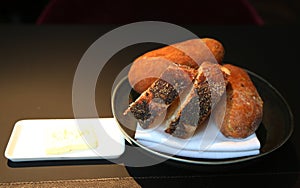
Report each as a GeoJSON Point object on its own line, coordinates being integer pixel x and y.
{"type": "Point", "coordinates": [195, 107]}
{"type": "Point", "coordinates": [244, 106]}
{"type": "Point", "coordinates": [148, 67]}
{"type": "Point", "coordinates": [173, 83]}
{"type": "Point", "coordinates": [151, 106]}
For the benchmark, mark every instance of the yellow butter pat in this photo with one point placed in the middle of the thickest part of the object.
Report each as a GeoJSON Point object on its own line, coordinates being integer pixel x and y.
{"type": "Point", "coordinates": [69, 139]}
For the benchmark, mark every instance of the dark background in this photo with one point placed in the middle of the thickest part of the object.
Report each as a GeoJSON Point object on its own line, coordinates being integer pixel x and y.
{"type": "Point", "coordinates": [271, 11]}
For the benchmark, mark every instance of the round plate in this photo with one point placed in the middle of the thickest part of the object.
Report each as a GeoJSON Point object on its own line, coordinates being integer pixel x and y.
{"type": "Point", "coordinates": [274, 131]}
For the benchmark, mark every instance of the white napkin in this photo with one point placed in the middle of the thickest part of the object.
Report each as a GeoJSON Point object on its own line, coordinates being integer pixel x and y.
{"type": "Point", "coordinates": [207, 143]}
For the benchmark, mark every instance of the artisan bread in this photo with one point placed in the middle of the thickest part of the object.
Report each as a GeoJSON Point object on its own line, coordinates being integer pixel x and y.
{"type": "Point", "coordinates": [196, 106]}
{"type": "Point", "coordinates": [184, 93]}
{"type": "Point", "coordinates": [191, 53]}
{"type": "Point", "coordinates": [151, 106]}
{"type": "Point", "coordinates": [244, 106]}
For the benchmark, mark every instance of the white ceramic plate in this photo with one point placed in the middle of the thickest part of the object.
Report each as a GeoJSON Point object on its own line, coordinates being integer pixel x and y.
{"type": "Point", "coordinates": [65, 139]}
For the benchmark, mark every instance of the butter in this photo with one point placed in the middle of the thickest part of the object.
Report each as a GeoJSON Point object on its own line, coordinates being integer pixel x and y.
{"type": "Point", "coordinates": [68, 139]}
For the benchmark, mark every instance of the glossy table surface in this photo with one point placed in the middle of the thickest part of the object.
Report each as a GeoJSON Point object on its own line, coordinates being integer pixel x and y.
{"type": "Point", "coordinates": [36, 76]}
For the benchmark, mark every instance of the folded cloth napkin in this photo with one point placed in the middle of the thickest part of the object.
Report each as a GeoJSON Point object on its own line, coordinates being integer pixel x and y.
{"type": "Point", "coordinates": [208, 142]}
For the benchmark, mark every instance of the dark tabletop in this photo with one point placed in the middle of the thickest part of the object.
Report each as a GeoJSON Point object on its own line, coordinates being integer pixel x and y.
{"type": "Point", "coordinates": [37, 66]}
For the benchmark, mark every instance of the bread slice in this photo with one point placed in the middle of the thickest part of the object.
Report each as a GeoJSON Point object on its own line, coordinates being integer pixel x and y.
{"type": "Point", "coordinates": [151, 106]}
{"type": "Point", "coordinates": [195, 107]}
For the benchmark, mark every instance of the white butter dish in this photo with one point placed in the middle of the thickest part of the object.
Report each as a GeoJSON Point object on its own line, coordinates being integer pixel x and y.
{"type": "Point", "coordinates": [65, 139]}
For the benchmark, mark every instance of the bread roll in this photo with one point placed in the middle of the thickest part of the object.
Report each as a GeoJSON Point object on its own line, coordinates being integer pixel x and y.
{"type": "Point", "coordinates": [148, 67]}
{"type": "Point", "coordinates": [244, 106]}
{"type": "Point", "coordinates": [173, 83]}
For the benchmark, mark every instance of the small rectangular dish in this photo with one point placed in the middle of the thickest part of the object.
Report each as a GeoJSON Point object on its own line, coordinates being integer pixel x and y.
{"type": "Point", "coordinates": [65, 139]}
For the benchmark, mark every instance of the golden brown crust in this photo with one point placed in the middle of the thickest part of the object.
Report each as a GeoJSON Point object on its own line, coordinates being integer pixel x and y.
{"type": "Point", "coordinates": [216, 48]}
{"type": "Point", "coordinates": [244, 107]}
{"type": "Point", "coordinates": [147, 68]}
